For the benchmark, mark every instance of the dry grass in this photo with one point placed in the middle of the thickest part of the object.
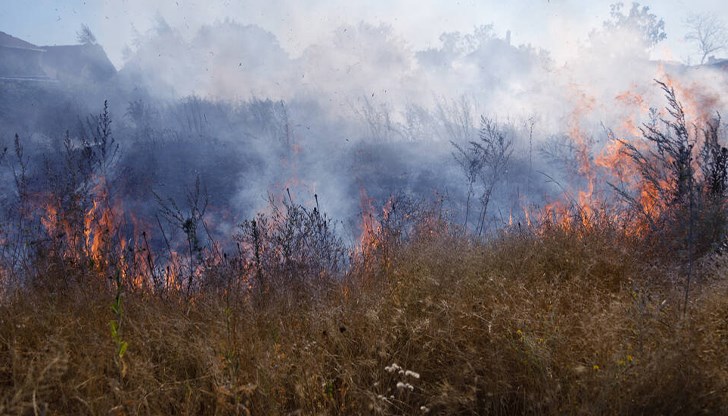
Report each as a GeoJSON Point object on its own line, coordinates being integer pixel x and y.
{"type": "Point", "coordinates": [559, 323]}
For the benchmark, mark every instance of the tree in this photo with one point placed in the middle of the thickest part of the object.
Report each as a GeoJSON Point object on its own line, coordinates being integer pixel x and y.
{"type": "Point", "coordinates": [85, 36]}
{"type": "Point", "coordinates": [456, 45]}
{"type": "Point", "coordinates": [639, 20]}
{"type": "Point", "coordinates": [708, 33]}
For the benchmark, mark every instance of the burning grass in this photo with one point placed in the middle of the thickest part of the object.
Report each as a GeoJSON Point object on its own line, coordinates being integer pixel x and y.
{"type": "Point", "coordinates": [555, 322]}
{"type": "Point", "coordinates": [602, 303]}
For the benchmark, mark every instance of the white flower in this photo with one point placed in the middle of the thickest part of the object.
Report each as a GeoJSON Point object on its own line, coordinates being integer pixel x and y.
{"type": "Point", "coordinates": [392, 368]}
{"type": "Point", "coordinates": [402, 386]}
{"type": "Point", "coordinates": [412, 374]}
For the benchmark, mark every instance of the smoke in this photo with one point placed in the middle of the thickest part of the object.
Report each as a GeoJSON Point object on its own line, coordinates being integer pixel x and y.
{"type": "Point", "coordinates": [355, 105]}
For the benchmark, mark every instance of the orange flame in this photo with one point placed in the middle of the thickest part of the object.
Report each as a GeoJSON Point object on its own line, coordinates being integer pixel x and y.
{"type": "Point", "coordinates": [370, 226]}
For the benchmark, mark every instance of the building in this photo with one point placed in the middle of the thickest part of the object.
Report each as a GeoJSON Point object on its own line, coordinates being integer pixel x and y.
{"type": "Point", "coordinates": [77, 62]}
{"type": "Point", "coordinates": [718, 63]}
{"type": "Point", "coordinates": [23, 61]}
{"type": "Point", "coordinates": [20, 60]}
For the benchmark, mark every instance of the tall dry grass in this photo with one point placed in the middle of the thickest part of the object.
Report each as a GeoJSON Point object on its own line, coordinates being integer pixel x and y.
{"type": "Point", "coordinates": [555, 322]}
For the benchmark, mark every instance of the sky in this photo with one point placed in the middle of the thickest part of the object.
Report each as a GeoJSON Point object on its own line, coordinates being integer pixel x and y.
{"type": "Point", "coordinates": [556, 25]}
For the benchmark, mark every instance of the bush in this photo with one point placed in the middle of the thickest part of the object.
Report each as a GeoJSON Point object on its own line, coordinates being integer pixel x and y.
{"type": "Point", "coordinates": [684, 206]}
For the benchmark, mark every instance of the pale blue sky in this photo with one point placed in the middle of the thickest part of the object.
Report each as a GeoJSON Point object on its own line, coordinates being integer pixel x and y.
{"type": "Point", "coordinates": [557, 25]}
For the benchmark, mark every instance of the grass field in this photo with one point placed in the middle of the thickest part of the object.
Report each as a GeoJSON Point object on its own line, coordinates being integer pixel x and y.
{"type": "Point", "coordinates": [554, 322]}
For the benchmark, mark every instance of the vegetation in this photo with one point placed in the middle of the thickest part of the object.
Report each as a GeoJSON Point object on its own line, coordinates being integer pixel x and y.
{"type": "Point", "coordinates": [708, 34]}
{"type": "Point", "coordinates": [577, 313]}
{"type": "Point", "coordinates": [598, 290]}
{"type": "Point", "coordinates": [85, 37]}
{"type": "Point", "coordinates": [550, 323]}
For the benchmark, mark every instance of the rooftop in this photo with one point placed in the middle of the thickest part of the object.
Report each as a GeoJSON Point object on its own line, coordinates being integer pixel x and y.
{"type": "Point", "coordinates": [9, 41]}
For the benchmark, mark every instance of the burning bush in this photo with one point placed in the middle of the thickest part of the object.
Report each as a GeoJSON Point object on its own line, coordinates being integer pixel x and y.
{"type": "Point", "coordinates": [63, 223]}
{"type": "Point", "coordinates": [683, 191]}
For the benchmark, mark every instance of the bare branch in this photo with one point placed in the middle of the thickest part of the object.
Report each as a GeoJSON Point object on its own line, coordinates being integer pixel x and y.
{"type": "Point", "coordinates": [708, 33]}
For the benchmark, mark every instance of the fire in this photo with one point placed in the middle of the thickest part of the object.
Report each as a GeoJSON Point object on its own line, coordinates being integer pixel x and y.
{"type": "Point", "coordinates": [100, 242]}
{"type": "Point", "coordinates": [50, 219]}
{"type": "Point", "coordinates": [172, 272]}
{"type": "Point", "coordinates": [370, 226]}
{"type": "Point", "coordinates": [98, 230]}
{"type": "Point", "coordinates": [527, 216]}
{"type": "Point", "coordinates": [60, 230]}
{"type": "Point", "coordinates": [569, 208]}
{"type": "Point", "coordinates": [377, 237]}
{"type": "Point", "coordinates": [636, 108]}
{"type": "Point", "coordinates": [614, 167]}
{"type": "Point", "coordinates": [101, 228]}
{"type": "Point", "coordinates": [697, 101]}
{"type": "Point", "coordinates": [135, 262]}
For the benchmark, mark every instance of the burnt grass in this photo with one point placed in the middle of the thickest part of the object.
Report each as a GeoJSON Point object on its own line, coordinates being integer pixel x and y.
{"type": "Point", "coordinates": [554, 320]}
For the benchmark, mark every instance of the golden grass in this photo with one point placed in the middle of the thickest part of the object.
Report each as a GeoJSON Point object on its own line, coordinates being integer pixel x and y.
{"type": "Point", "coordinates": [559, 323]}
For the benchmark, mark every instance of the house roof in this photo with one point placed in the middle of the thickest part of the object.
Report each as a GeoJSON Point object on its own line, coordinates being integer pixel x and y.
{"type": "Point", "coordinates": [78, 60]}
{"type": "Point", "coordinates": [9, 41]}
